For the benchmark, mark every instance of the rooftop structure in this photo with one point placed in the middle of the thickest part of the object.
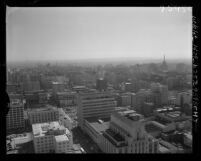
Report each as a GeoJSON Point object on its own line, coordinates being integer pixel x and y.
{"type": "Point", "coordinates": [51, 128]}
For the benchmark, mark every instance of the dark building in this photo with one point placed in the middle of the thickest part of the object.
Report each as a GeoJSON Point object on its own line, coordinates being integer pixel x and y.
{"type": "Point", "coordinates": [101, 84]}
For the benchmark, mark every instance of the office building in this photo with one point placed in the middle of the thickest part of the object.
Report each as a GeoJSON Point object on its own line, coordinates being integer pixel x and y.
{"type": "Point", "coordinates": [101, 84]}
{"type": "Point", "coordinates": [94, 104]}
{"type": "Point", "coordinates": [45, 114]}
{"type": "Point", "coordinates": [126, 99]}
{"type": "Point", "coordinates": [161, 91]}
{"type": "Point", "coordinates": [51, 137]}
{"type": "Point", "coordinates": [66, 98]}
{"type": "Point", "coordinates": [126, 134]}
{"type": "Point", "coordinates": [15, 116]}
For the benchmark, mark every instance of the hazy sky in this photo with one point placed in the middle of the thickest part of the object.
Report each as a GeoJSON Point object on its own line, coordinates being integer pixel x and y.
{"type": "Point", "coordinates": [97, 32]}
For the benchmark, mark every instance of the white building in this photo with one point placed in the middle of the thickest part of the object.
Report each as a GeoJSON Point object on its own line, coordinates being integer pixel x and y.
{"type": "Point", "coordinates": [94, 104]}
{"type": "Point", "coordinates": [51, 137]}
{"type": "Point", "coordinates": [126, 134]}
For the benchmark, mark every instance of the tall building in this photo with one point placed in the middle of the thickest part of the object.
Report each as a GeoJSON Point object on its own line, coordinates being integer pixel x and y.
{"type": "Point", "coordinates": [183, 98]}
{"type": "Point", "coordinates": [160, 93]}
{"type": "Point", "coordinates": [101, 84]}
{"type": "Point", "coordinates": [164, 66]}
{"type": "Point", "coordinates": [94, 104]}
{"type": "Point", "coordinates": [45, 114]}
{"type": "Point", "coordinates": [127, 134]}
{"type": "Point", "coordinates": [51, 137]}
{"type": "Point", "coordinates": [15, 116]}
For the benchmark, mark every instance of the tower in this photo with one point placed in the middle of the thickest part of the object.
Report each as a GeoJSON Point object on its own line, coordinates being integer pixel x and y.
{"type": "Point", "coordinates": [164, 66]}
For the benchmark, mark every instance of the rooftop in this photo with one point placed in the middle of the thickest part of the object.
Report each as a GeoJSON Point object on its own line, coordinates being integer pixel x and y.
{"type": "Point", "coordinates": [44, 108]}
{"type": "Point", "coordinates": [151, 128]}
{"type": "Point", "coordinates": [131, 115]}
{"type": "Point", "coordinates": [99, 125]}
{"type": "Point", "coordinates": [61, 138]}
{"type": "Point", "coordinates": [42, 129]}
{"type": "Point", "coordinates": [57, 83]}
{"type": "Point", "coordinates": [114, 138]}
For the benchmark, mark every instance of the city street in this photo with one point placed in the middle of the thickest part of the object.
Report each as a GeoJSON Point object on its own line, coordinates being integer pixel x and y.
{"type": "Point", "coordinates": [85, 141]}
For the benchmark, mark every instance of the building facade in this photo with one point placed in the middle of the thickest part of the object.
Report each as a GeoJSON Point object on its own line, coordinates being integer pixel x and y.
{"type": "Point", "coordinates": [98, 104]}
{"type": "Point", "coordinates": [45, 114]}
{"type": "Point", "coordinates": [126, 134]}
{"type": "Point", "coordinates": [15, 116]}
{"type": "Point", "coordinates": [51, 137]}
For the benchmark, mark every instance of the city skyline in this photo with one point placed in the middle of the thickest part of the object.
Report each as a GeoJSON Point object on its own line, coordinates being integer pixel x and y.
{"type": "Point", "coordinates": [97, 32]}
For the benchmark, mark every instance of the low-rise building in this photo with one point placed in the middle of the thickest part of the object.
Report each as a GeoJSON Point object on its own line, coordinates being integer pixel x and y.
{"type": "Point", "coordinates": [45, 114]}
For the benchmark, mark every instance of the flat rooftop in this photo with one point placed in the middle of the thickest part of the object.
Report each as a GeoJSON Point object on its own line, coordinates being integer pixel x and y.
{"type": "Point", "coordinates": [42, 129]}
{"type": "Point", "coordinates": [61, 138]}
{"type": "Point", "coordinates": [98, 124]}
{"type": "Point", "coordinates": [44, 108]}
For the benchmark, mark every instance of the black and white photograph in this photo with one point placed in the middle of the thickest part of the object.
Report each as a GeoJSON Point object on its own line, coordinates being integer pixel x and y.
{"type": "Point", "coordinates": [83, 80]}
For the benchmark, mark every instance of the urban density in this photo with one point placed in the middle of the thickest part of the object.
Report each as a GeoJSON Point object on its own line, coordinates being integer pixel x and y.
{"type": "Point", "coordinates": [144, 108]}
{"type": "Point", "coordinates": [104, 80]}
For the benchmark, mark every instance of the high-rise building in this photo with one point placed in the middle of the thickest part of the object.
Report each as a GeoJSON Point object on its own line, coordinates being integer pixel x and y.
{"type": "Point", "coordinates": [164, 66]}
{"type": "Point", "coordinates": [126, 134]}
{"type": "Point", "coordinates": [160, 93]}
{"type": "Point", "coordinates": [94, 104]}
{"type": "Point", "coordinates": [51, 137]}
{"type": "Point", "coordinates": [101, 84]}
{"type": "Point", "coordinates": [15, 116]}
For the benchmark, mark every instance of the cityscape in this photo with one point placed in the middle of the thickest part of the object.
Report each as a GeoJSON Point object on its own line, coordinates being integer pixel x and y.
{"type": "Point", "coordinates": [123, 98]}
